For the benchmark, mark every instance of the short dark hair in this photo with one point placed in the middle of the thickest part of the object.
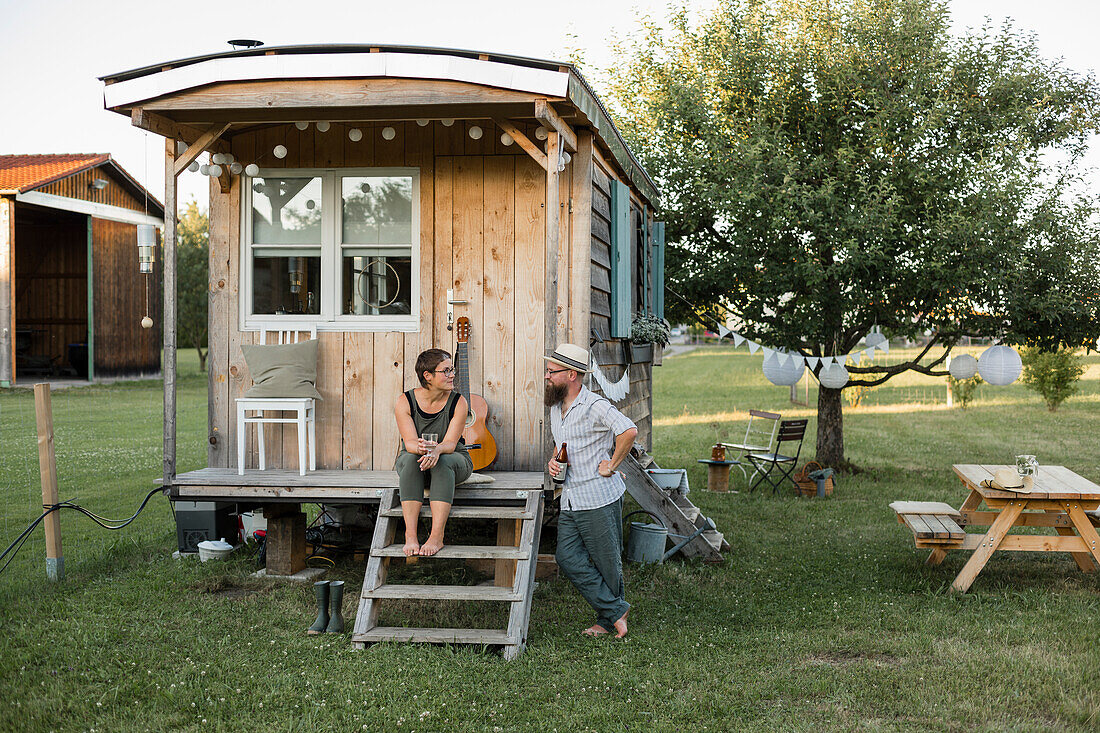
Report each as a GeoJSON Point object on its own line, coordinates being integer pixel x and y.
{"type": "Point", "coordinates": [428, 361]}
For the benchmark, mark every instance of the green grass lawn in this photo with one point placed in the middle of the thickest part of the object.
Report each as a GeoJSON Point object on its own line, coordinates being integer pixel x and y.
{"type": "Point", "coordinates": [822, 617]}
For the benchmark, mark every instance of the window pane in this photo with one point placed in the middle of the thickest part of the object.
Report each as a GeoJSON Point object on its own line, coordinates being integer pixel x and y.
{"type": "Point", "coordinates": [377, 209]}
{"type": "Point", "coordinates": [286, 285]}
{"type": "Point", "coordinates": [286, 210]}
{"type": "Point", "coordinates": [377, 283]}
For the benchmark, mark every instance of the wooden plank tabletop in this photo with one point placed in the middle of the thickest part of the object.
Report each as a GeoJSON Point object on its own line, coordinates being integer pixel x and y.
{"type": "Point", "coordinates": [1051, 482]}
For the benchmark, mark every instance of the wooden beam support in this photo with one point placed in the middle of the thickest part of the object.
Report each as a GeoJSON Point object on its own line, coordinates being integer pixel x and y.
{"type": "Point", "coordinates": [552, 240]}
{"type": "Point", "coordinates": [169, 366]}
{"type": "Point", "coordinates": [198, 147]}
{"type": "Point", "coordinates": [161, 125]}
{"type": "Point", "coordinates": [548, 116]}
{"type": "Point", "coordinates": [7, 291]}
{"type": "Point", "coordinates": [523, 141]}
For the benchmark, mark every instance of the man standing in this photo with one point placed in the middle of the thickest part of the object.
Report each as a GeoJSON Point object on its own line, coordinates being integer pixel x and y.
{"type": "Point", "coordinates": [590, 526]}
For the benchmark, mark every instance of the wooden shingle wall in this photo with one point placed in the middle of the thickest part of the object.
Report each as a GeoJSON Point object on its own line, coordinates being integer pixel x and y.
{"type": "Point", "coordinates": [482, 234]}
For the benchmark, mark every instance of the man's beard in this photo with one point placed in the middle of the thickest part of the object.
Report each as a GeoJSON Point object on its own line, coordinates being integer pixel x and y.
{"type": "Point", "coordinates": [554, 394]}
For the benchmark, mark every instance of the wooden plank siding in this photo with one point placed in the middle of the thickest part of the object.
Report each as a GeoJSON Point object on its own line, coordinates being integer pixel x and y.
{"type": "Point", "coordinates": [119, 296]}
{"type": "Point", "coordinates": [78, 186]}
{"type": "Point", "coordinates": [482, 233]}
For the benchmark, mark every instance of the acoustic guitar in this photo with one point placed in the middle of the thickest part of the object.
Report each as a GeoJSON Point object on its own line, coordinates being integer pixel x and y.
{"type": "Point", "coordinates": [475, 431]}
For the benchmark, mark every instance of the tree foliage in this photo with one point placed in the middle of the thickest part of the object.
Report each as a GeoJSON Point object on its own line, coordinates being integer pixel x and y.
{"type": "Point", "coordinates": [193, 286]}
{"type": "Point", "coordinates": [830, 166]}
{"type": "Point", "coordinates": [1053, 374]}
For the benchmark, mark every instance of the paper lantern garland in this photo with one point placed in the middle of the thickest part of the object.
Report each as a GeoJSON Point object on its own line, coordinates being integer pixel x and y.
{"type": "Point", "coordinates": [783, 372]}
{"type": "Point", "coordinates": [1000, 365]}
{"type": "Point", "coordinates": [963, 366]}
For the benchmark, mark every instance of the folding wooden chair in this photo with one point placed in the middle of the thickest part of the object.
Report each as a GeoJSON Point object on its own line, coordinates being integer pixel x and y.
{"type": "Point", "coordinates": [759, 438]}
{"type": "Point", "coordinates": [790, 431]}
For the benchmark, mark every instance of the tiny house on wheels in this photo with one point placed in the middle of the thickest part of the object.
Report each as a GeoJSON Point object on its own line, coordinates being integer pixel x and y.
{"type": "Point", "coordinates": [71, 295]}
{"type": "Point", "coordinates": [376, 194]}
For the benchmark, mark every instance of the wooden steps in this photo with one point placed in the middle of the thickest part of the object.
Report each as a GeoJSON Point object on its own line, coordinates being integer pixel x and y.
{"type": "Point", "coordinates": [515, 569]}
{"type": "Point", "coordinates": [458, 551]}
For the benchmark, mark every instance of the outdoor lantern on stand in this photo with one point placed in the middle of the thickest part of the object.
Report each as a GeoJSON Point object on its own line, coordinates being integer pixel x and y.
{"type": "Point", "coordinates": [147, 244]}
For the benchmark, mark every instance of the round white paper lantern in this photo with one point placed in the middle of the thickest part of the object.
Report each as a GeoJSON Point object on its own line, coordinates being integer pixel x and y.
{"type": "Point", "coordinates": [235, 168]}
{"type": "Point", "coordinates": [323, 126]}
{"type": "Point", "coordinates": [280, 151]}
{"type": "Point", "coordinates": [506, 139]}
{"type": "Point", "coordinates": [784, 374]}
{"type": "Point", "coordinates": [963, 366]}
{"type": "Point", "coordinates": [447, 121]}
{"type": "Point", "coordinates": [204, 169]}
{"type": "Point", "coordinates": [476, 133]}
{"type": "Point", "coordinates": [540, 133]}
{"type": "Point", "coordinates": [355, 134]}
{"type": "Point", "coordinates": [252, 169]}
{"type": "Point", "coordinates": [1000, 365]}
{"type": "Point", "coordinates": [228, 157]}
{"type": "Point", "coordinates": [833, 376]}
{"type": "Point", "coordinates": [301, 125]}
{"type": "Point", "coordinates": [217, 158]}
{"type": "Point", "coordinates": [388, 133]}
{"type": "Point", "coordinates": [194, 166]}
{"type": "Point", "coordinates": [215, 170]}
{"type": "Point", "coordinates": [422, 122]}
{"type": "Point", "coordinates": [146, 322]}
{"type": "Point", "coordinates": [875, 338]}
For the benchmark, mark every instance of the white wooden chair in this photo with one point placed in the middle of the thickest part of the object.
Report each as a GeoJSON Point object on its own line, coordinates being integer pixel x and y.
{"type": "Point", "coordinates": [304, 409]}
{"type": "Point", "coordinates": [759, 438]}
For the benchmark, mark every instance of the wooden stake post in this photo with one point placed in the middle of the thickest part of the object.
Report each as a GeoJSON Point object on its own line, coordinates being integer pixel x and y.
{"type": "Point", "coordinates": [47, 466]}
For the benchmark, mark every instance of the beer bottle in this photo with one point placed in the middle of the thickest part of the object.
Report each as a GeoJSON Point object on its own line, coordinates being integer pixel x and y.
{"type": "Point", "coordinates": [563, 460]}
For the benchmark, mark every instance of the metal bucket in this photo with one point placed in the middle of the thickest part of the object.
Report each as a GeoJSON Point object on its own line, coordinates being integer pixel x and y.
{"type": "Point", "coordinates": [647, 541]}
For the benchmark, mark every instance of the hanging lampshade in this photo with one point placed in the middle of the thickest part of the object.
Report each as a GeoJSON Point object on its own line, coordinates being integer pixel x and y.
{"type": "Point", "coordinates": [302, 125]}
{"type": "Point", "coordinates": [252, 169]}
{"type": "Point", "coordinates": [506, 139]}
{"type": "Point", "coordinates": [833, 376]}
{"type": "Point", "coordinates": [447, 121]}
{"type": "Point", "coordinates": [322, 126]}
{"type": "Point", "coordinates": [541, 133]}
{"type": "Point", "coordinates": [785, 374]}
{"type": "Point", "coordinates": [1000, 365]}
{"type": "Point", "coordinates": [875, 339]}
{"type": "Point", "coordinates": [146, 242]}
{"type": "Point", "coordinates": [422, 122]}
{"type": "Point", "coordinates": [388, 133]}
{"type": "Point", "coordinates": [475, 132]}
{"type": "Point", "coordinates": [963, 366]}
{"type": "Point", "coordinates": [355, 134]}
{"type": "Point", "coordinates": [235, 168]}
{"type": "Point", "coordinates": [193, 166]}
{"type": "Point", "coordinates": [279, 151]}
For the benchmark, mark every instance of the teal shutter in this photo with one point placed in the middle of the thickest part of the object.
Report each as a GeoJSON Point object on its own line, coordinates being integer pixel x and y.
{"type": "Point", "coordinates": [659, 269]}
{"type": "Point", "coordinates": [620, 260]}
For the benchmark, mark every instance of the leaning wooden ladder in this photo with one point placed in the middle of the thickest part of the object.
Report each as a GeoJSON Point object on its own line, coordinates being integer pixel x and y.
{"type": "Point", "coordinates": [527, 509]}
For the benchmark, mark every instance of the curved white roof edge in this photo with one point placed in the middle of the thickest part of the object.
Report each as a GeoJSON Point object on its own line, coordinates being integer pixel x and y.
{"type": "Point", "coordinates": [342, 65]}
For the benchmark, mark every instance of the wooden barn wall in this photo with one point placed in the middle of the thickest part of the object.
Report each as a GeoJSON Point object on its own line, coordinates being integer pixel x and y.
{"type": "Point", "coordinates": [51, 280]}
{"type": "Point", "coordinates": [119, 293]}
{"type": "Point", "coordinates": [78, 186]}
{"type": "Point", "coordinates": [482, 233]}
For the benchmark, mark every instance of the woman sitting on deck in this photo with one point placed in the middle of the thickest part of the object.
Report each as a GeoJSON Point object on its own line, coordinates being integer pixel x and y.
{"type": "Point", "coordinates": [432, 409]}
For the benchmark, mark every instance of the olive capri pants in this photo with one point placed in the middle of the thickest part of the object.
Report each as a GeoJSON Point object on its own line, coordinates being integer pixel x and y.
{"type": "Point", "coordinates": [453, 468]}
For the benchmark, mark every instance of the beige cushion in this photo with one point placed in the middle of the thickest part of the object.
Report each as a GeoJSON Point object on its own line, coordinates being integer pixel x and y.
{"type": "Point", "coordinates": [282, 370]}
{"type": "Point", "coordinates": [478, 478]}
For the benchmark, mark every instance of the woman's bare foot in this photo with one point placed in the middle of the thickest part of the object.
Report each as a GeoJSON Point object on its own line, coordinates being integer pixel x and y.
{"type": "Point", "coordinates": [620, 626]}
{"type": "Point", "coordinates": [412, 547]}
{"type": "Point", "coordinates": [431, 546]}
{"type": "Point", "coordinates": [594, 630]}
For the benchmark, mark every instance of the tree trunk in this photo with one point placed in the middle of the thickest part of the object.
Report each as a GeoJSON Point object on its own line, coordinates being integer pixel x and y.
{"type": "Point", "coordinates": [202, 360]}
{"type": "Point", "coordinates": [830, 429]}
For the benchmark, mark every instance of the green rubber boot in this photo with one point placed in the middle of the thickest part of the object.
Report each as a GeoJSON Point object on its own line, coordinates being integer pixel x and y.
{"type": "Point", "coordinates": [321, 588]}
{"type": "Point", "coordinates": [336, 607]}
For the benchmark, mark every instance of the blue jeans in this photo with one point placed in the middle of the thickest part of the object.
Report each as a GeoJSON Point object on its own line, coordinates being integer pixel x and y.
{"type": "Point", "coordinates": [589, 554]}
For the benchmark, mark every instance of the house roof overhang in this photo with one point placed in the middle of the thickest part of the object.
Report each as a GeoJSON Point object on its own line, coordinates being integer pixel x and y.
{"type": "Point", "coordinates": [358, 82]}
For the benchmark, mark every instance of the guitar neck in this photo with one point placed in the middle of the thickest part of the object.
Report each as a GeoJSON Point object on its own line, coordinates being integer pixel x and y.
{"type": "Point", "coordinates": [462, 370]}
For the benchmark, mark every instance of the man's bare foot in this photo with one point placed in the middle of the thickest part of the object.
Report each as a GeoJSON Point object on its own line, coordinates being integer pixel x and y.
{"type": "Point", "coordinates": [594, 630]}
{"type": "Point", "coordinates": [412, 547]}
{"type": "Point", "coordinates": [620, 626]}
{"type": "Point", "coordinates": [431, 546]}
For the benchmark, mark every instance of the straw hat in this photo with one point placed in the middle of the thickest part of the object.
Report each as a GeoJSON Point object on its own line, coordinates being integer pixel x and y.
{"type": "Point", "coordinates": [570, 356]}
{"type": "Point", "coordinates": [1008, 479]}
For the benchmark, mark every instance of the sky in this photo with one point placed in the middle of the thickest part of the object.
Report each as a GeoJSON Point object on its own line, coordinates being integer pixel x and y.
{"type": "Point", "coordinates": [52, 51]}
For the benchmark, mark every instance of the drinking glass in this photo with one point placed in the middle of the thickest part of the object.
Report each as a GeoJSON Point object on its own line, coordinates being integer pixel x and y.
{"type": "Point", "coordinates": [1027, 465]}
{"type": "Point", "coordinates": [432, 439]}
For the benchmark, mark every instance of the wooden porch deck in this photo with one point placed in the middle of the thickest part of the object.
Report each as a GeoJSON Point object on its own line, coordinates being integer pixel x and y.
{"type": "Point", "coordinates": [349, 487]}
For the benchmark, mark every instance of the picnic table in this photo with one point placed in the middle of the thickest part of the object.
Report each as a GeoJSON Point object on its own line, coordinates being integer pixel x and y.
{"type": "Point", "coordinates": [1059, 498]}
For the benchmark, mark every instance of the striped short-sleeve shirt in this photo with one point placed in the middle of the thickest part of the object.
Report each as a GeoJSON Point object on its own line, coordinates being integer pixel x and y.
{"type": "Point", "coordinates": [589, 428]}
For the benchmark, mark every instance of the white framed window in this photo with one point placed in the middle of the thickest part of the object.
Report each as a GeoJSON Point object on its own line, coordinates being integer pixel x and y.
{"type": "Point", "coordinates": [338, 248]}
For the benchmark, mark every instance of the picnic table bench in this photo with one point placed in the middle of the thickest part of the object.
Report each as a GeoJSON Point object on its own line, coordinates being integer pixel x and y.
{"type": "Point", "coordinates": [933, 523]}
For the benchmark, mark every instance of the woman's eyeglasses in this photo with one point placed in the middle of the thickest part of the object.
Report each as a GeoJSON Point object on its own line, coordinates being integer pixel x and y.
{"type": "Point", "coordinates": [449, 371]}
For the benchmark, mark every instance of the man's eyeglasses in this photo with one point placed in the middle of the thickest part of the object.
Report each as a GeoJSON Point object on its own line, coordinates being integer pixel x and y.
{"type": "Point", "coordinates": [555, 371]}
{"type": "Point", "coordinates": [449, 371]}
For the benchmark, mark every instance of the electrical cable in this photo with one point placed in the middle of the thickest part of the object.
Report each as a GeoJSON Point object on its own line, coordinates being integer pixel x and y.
{"type": "Point", "coordinates": [111, 524]}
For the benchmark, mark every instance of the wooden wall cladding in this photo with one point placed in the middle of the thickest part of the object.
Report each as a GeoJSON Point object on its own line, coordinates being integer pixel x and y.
{"type": "Point", "coordinates": [51, 280]}
{"type": "Point", "coordinates": [601, 252]}
{"type": "Point", "coordinates": [482, 234]}
{"type": "Point", "coordinates": [78, 186]}
{"type": "Point", "coordinates": [119, 297]}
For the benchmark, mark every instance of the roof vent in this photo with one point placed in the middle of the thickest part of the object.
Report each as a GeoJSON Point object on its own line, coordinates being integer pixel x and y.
{"type": "Point", "coordinates": [244, 43]}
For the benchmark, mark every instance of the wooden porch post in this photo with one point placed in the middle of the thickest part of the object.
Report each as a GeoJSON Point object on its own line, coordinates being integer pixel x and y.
{"type": "Point", "coordinates": [169, 366]}
{"type": "Point", "coordinates": [7, 291]}
{"type": "Point", "coordinates": [552, 244]}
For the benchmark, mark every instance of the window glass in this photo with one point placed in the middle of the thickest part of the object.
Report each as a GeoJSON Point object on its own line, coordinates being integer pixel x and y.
{"type": "Point", "coordinates": [377, 281]}
{"type": "Point", "coordinates": [286, 210]}
{"type": "Point", "coordinates": [377, 209]}
{"type": "Point", "coordinates": [286, 281]}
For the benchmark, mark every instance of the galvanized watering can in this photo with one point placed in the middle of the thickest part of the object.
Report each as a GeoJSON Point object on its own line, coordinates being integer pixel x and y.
{"type": "Point", "coordinates": [647, 541]}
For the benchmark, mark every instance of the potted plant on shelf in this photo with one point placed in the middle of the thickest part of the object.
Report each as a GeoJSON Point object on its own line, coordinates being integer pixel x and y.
{"type": "Point", "coordinates": [645, 331]}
